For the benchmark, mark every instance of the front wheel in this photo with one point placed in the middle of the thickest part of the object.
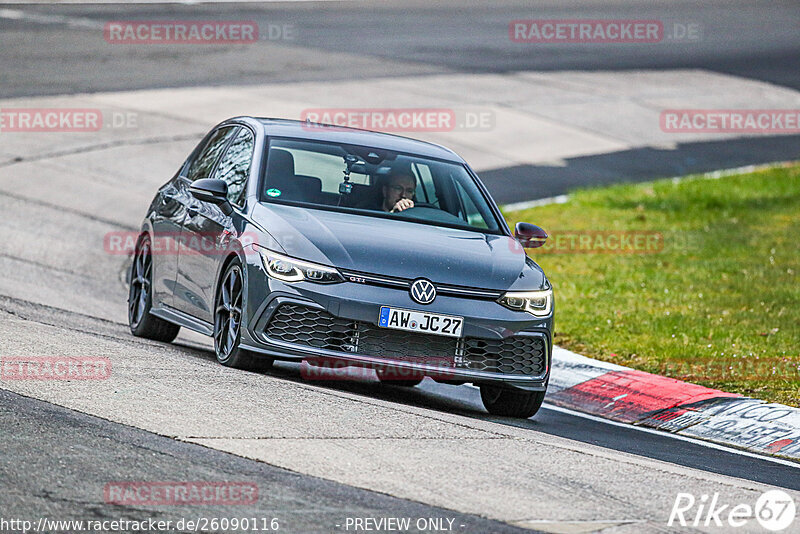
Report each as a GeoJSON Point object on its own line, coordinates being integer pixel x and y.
{"type": "Point", "coordinates": [228, 323]}
{"type": "Point", "coordinates": [511, 402]}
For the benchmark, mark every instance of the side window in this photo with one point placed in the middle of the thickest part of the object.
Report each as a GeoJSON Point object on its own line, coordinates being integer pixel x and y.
{"type": "Point", "coordinates": [473, 216]}
{"type": "Point", "coordinates": [234, 167]}
{"type": "Point", "coordinates": [202, 165]}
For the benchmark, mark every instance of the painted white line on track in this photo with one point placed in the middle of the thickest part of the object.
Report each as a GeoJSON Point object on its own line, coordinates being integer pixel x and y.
{"type": "Point", "coordinates": [82, 22]}
{"type": "Point", "coordinates": [604, 523]}
{"type": "Point", "coordinates": [40, 18]}
{"type": "Point", "coordinates": [187, 2]}
{"type": "Point", "coordinates": [702, 443]}
{"type": "Point", "coordinates": [519, 206]}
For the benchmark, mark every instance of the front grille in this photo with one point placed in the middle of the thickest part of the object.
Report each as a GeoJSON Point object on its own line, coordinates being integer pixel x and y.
{"type": "Point", "coordinates": [399, 345]}
{"type": "Point", "coordinates": [303, 325]}
{"type": "Point", "coordinates": [516, 355]}
{"type": "Point", "coordinates": [405, 284]}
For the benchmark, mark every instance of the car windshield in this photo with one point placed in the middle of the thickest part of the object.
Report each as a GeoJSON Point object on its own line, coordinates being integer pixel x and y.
{"type": "Point", "coordinates": [375, 182]}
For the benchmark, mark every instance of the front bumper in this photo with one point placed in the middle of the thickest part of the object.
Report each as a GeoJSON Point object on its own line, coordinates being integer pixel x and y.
{"type": "Point", "coordinates": [485, 323]}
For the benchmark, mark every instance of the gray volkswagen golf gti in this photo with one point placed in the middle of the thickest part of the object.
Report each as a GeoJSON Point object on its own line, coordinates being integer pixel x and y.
{"type": "Point", "coordinates": [299, 241]}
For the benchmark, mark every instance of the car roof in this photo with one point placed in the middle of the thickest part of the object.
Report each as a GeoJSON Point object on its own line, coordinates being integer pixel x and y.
{"type": "Point", "coordinates": [353, 136]}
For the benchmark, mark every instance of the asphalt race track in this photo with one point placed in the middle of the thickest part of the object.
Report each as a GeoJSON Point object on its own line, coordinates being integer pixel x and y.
{"type": "Point", "coordinates": [323, 452]}
{"type": "Point", "coordinates": [302, 503]}
{"type": "Point", "coordinates": [754, 39]}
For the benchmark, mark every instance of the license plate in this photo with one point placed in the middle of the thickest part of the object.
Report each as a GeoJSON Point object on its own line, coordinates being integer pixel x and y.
{"type": "Point", "coordinates": [422, 322]}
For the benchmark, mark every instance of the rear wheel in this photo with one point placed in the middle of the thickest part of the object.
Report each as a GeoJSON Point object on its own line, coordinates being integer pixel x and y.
{"type": "Point", "coordinates": [511, 402]}
{"type": "Point", "coordinates": [140, 298]}
{"type": "Point", "coordinates": [228, 323]}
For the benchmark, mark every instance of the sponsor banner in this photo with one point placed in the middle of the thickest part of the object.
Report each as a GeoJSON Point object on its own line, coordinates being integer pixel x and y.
{"type": "Point", "coordinates": [677, 418]}
{"type": "Point", "coordinates": [750, 424]}
{"type": "Point", "coordinates": [144, 493]}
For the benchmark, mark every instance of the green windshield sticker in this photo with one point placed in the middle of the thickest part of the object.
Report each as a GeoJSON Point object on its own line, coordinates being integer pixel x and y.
{"type": "Point", "coordinates": [274, 192]}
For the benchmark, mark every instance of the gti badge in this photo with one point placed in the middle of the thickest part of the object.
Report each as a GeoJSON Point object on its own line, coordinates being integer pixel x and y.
{"type": "Point", "coordinates": [422, 291]}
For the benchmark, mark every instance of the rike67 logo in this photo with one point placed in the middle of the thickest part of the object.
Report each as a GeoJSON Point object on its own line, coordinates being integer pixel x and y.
{"type": "Point", "coordinates": [774, 510]}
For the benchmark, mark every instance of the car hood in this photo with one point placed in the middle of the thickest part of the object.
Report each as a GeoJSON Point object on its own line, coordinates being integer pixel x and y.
{"type": "Point", "coordinates": [398, 248]}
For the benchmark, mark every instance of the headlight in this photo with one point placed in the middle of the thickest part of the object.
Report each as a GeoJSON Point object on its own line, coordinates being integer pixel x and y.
{"type": "Point", "coordinates": [538, 303]}
{"type": "Point", "coordinates": [292, 270]}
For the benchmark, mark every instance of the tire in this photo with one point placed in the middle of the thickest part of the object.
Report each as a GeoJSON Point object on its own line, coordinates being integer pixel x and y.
{"type": "Point", "coordinates": [140, 299]}
{"type": "Point", "coordinates": [228, 306]}
{"type": "Point", "coordinates": [510, 402]}
{"type": "Point", "coordinates": [393, 380]}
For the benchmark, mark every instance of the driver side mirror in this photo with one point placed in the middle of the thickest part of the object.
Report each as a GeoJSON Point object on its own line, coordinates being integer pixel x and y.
{"type": "Point", "coordinates": [213, 191]}
{"type": "Point", "coordinates": [529, 235]}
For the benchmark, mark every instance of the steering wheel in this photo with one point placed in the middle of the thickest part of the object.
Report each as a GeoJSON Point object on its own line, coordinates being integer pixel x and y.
{"type": "Point", "coordinates": [424, 205]}
{"type": "Point", "coordinates": [430, 212]}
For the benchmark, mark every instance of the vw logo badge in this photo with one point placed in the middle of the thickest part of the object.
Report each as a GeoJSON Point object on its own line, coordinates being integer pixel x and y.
{"type": "Point", "coordinates": [423, 291]}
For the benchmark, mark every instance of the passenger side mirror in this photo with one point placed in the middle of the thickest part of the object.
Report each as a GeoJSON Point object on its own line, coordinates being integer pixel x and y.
{"type": "Point", "coordinates": [213, 191]}
{"type": "Point", "coordinates": [530, 235]}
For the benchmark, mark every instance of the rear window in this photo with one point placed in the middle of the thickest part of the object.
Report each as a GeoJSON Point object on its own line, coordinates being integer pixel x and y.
{"type": "Point", "coordinates": [326, 167]}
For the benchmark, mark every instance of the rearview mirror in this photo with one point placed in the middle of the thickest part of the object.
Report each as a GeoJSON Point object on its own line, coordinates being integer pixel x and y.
{"type": "Point", "coordinates": [213, 191]}
{"type": "Point", "coordinates": [529, 235]}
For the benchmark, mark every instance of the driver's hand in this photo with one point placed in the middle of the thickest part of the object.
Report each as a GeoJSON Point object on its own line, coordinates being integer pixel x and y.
{"type": "Point", "coordinates": [403, 204]}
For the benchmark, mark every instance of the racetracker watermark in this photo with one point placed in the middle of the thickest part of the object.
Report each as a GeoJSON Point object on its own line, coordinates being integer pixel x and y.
{"type": "Point", "coordinates": [587, 31]}
{"type": "Point", "coordinates": [195, 32]}
{"type": "Point", "coordinates": [70, 120]}
{"type": "Point", "coordinates": [774, 510]}
{"type": "Point", "coordinates": [180, 493]}
{"type": "Point", "coordinates": [145, 524]}
{"type": "Point", "coordinates": [765, 121]}
{"type": "Point", "coordinates": [173, 243]}
{"type": "Point", "coordinates": [441, 368]}
{"type": "Point", "coordinates": [598, 242]}
{"type": "Point", "coordinates": [55, 368]}
{"type": "Point", "coordinates": [400, 524]}
{"type": "Point", "coordinates": [400, 119]}
{"type": "Point", "coordinates": [750, 368]}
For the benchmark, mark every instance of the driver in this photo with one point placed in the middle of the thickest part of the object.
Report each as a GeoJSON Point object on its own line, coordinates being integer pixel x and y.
{"type": "Point", "coordinates": [398, 192]}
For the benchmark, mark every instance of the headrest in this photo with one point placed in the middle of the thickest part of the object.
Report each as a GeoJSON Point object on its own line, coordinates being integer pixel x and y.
{"type": "Point", "coordinates": [280, 164]}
